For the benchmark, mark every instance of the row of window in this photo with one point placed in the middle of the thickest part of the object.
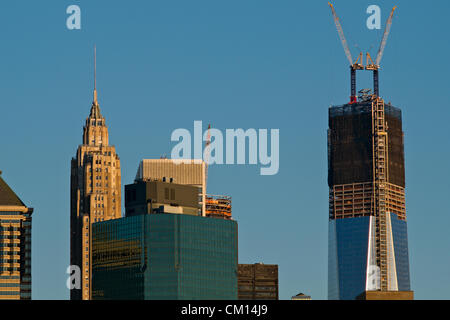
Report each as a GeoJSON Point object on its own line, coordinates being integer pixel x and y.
{"type": "Point", "coordinates": [100, 178]}
{"type": "Point", "coordinates": [99, 161]}
{"type": "Point", "coordinates": [9, 285]}
{"type": "Point", "coordinates": [9, 260]}
{"type": "Point", "coordinates": [7, 236]}
{"type": "Point", "coordinates": [9, 293]}
{"type": "Point", "coordinates": [9, 277]}
{"type": "Point", "coordinates": [97, 123]}
{"type": "Point", "coordinates": [9, 221]}
{"type": "Point", "coordinates": [12, 251]}
{"type": "Point", "coordinates": [99, 184]}
{"type": "Point", "coordinates": [7, 253]}
{"type": "Point", "coordinates": [9, 269]}
{"type": "Point", "coordinates": [9, 229]}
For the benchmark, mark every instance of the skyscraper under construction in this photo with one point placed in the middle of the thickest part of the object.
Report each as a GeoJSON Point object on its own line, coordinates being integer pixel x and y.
{"type": "Point", "coordinates": [368, 248]}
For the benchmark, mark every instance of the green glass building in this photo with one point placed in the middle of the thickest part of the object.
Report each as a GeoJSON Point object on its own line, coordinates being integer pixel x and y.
{"type": "Point", "coordinates": [165, 256]}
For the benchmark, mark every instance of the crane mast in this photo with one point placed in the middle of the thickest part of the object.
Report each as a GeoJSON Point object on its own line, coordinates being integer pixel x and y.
{"type": "Point", "coordinates": [370, 65]}
{"type": "Point", "coordinates": [207, 154]}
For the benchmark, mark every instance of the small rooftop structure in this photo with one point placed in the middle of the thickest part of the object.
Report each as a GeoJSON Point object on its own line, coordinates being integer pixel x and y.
{"type": "Point", "coordinates": [301, 296]}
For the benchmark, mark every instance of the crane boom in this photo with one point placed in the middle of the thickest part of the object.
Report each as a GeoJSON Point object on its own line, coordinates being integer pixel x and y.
{"type": "Point", "coordinates": [385, 37]}
{"type": "Point", "coordinates": [353, 66]}
{"type": "Point", "coordinates": [207, 154]}
{"type": "Point", "coordinates": [341, 34]}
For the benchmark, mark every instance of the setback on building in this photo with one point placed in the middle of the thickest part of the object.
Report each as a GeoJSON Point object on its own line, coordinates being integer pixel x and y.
{"type": "Point", "coordinates": [146, 197]}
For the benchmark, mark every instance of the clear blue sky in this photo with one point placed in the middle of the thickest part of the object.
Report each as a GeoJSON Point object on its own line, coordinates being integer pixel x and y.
{"type": "Point", "coordinates": [235, 64]}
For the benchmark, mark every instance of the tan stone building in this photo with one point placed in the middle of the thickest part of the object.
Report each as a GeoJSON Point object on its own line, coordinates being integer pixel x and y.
{"type": "Point", "coordinates": [15, 246]}
{"type": "Point", "coordinates": [95, 193]}
{"type": "Point", "coordinates": [178, 171]}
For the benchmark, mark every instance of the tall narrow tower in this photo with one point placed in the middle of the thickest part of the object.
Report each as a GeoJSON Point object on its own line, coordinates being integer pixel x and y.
{"type": "Point", "coordinates": [368, 248]}
{"type": "Point", "coordinates": [95, 192]}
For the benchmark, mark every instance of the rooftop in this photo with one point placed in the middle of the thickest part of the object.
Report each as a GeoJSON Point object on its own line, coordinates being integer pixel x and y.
{"type": "Point", "coordinates": [7, 195]}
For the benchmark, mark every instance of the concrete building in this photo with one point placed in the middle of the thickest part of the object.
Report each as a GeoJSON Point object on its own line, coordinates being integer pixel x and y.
{"type": "Point", "coordinates": [258, 281]}
{"type": "Point", "coordinates": [186, 172]}
{"type": "Point", "coordinates": [15, 245]}
{"type": "Point", "coordinates": [95, 184]}
{"type": "Point", "coordinates": [146, 197]}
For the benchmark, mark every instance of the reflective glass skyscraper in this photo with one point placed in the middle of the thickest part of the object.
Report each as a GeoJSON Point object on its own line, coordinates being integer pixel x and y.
{"type": "Point", "coordinates": [165, 256]}
{"type": "Point", "coordinates": [368, 248]}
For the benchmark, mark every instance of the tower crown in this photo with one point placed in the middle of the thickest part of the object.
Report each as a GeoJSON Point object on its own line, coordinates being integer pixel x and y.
{"type": "Point", "coordinates": [95, 131]}
{"type": "Point", "coordinates": [95, 111]}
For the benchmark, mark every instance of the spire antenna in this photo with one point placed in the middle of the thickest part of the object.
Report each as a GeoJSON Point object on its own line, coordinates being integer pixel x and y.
{"type": "Point", "coordinates": [95, 75]}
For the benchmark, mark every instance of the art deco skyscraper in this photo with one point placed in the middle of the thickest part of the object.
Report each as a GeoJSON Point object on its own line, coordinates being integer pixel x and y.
{"type": "Point", "coordinates": [95, 193]}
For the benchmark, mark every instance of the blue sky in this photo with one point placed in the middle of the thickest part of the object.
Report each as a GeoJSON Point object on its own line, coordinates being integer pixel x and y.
{"type": "Point", "coordinates": [234, 64]}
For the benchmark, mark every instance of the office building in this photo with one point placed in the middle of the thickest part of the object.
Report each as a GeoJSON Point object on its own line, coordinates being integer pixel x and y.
{"type": "Point", "coordinates": [165, 256]}
{"type": "Point", "coordinates": [368, 247]}
{"type": "Point", "coordinates": [178, 171]}
{"type": "Point", "coordinates": [146, 197]}
{"type": "Point", "coordinates": [258, 281]}
{"type": "Point", "coordinates": [15, 245]}
{"type": "Point", "coordinates": [95, 193]}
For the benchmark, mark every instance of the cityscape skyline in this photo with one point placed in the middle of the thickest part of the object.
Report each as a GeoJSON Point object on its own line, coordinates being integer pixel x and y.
{"type": "Point", "coordinates": [124, 97]}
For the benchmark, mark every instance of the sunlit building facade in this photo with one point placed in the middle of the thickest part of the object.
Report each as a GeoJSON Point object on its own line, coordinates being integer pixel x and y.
{"type": "Point", "coordinates": [15, 246]}
{"type": "Point", "coordinates": [95, 194]}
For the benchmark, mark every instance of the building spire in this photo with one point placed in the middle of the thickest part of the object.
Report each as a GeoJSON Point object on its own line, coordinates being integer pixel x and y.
{"type": "Point", "coordinates": [95, 76]}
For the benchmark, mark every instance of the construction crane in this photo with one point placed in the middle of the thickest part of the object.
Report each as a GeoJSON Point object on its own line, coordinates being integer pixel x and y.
{"type": "Point", "coordinates": [370, 65]}
{"type": "Point", "coordinates": [207, 154]}
{"type": "Point", "coordinates": [357, 65]}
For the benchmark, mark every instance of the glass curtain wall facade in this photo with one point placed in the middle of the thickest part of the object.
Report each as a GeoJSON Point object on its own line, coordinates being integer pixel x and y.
{"type": "Point", "coordinates": [165, 256]}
